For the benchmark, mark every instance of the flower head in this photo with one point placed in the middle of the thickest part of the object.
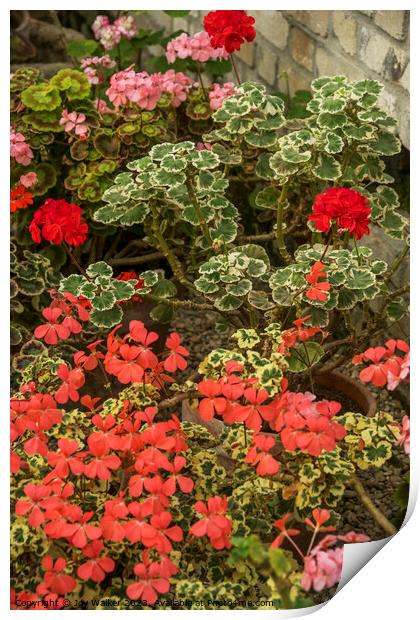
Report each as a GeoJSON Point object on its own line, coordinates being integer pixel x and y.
{"type": "Point", "coordinates": [57, 221]}
{"type": "Point", "coordinates": [229, 29]}
{"type": "Point", "coordinates": [344, 206]}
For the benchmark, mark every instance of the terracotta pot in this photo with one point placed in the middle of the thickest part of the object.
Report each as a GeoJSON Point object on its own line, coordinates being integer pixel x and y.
{"type": "Point", "coordinates": [352, 388]}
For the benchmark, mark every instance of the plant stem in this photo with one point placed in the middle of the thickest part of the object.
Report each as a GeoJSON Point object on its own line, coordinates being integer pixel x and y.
{"type": "Point", "coordinates": [75, 261]}
{"type": "Point", "coordinates": [364, 497]}
{"type": "Point", "coordinates": [200, 78]}
{"type": "Point", "coordinates": [396, 264]}
{"type": "Point", "coordinates": [198, 211]}
{"type": "Point", "coordinates": [279, 235]}
{"type": "Point", "coordinates": [235, 69]}
{"type": "Point", "coordinates": [327, 245]}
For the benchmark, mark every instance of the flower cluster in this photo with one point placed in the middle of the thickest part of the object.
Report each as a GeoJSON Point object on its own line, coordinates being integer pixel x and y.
{"type": "Point", "coordinates": [386, 367]}
{"type": "Point", "coordinates": [146, 90]}
{"type": "Point", "coordinates": [345, 207]}
{"type": "Point", "coordinates": [57, 221]}
{"type": "Point", "coordinates": [75, 124]}
{"type": "Point", "coordinates": [20, 151]}
{"type": "Point", "coordinates": [302, 422]}
{"type": "Point", "coordinates": [318, 284]}
{"type": "Point", "coordinates": [135, 363]}
{"type": "Point", "coordinates": [20, 198]}
{"type": "Point", "coordinates": [229, 29]}
{"type": "Point", "coordinates": [61, 319]}
{"type": "Point", "coordinates": [197, 47]}
{"type": "Point", "coordinates": [90, 67]}
{"type": "Point", "coordinates": [214, 523]}
{"type": "Point", "coordinates": [219, 92]}
{"type": "Point", "coordinates": [110, 34]}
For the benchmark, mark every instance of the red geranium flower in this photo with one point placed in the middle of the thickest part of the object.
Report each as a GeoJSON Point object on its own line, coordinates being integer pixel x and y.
{"type": "Point", "coordinates": [176, 359]}
{"type": "Point", "coordinates": [152, 581]}
{"type": "Point", "coordinates": [346, 207]}
{"type": "Point", "coordinates": [259, 455]}
{"type": "Point", "coordinates": [214, 403]}
{"type": "Point", "coordinates": [55, 579]}
{"type": "Point", "coordinates": [57, 221]}
{"type": "Point", "coordinates": [229, 29]}
{"type": "Point", "coordinates": [96, 567]}
{"type": "Point", "coordinates": [20, 198]}
{"type": "Point", "coordinates": [52, 331]}
{"type": "Point", "coordinates": [214, 524]}
{"type": "Point", "coordinates": [317, 289]}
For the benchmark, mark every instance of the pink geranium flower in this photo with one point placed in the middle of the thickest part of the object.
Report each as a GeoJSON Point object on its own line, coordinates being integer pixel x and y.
{"type": "Point", "coordinates": [74, 123]}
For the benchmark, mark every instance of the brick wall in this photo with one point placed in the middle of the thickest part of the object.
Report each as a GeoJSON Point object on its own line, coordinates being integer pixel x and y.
{"type": "Point", "coordinates": [306, 44]}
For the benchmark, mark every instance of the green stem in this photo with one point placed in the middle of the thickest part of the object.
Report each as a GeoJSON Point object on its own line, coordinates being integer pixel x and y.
{"type": "Point", "coordinates": [396, 264]}
{"type": "Point", "coordinates": [199, 213]}
{"type": "Point", "coordinates": [279, 234]}
{"type": "Point", "coordinates": [235, 69]}
{"type": "Point", "coordinates": [200, 78]}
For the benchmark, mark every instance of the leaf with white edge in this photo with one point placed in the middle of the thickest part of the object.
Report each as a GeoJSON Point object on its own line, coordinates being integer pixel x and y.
{"type": "Point", "coordinates": [189, 214]}
{"type": "Point", "coordinates": [88, 290]}
{"type": "Point", "coordinates": [256, 268]}
{"type": "Point", "coordinates": [260, 300]}
{"type": "Point", "coordinates": [393, 221]}
{"type": "Point", "coordinates": [115, 195]}
{"type": "Point", "coordinates": [332, 121]}
{"type": "Point", "coordinates": [268, 198]}
{"type": "Point", "coordinates": [282, 296]}
{"type": "Point", "coordinates": [159, 151]}
{"type": "Point", "coordinates": [165, 289]}
{"type": "Point", "coordinates": [370, 292]}
{"type": "Point", "coordinates": [123, 290]}
{"type": "Point", "coordinates": [150, 277]}
{"type": "Point", "coordinates": [264, 170]}
{"type": "Point", "coordinates": [378, 267]}
{"type": "Point", "coordinates": [168, 179]}
{"type": "Point", "coordinates": [318, 317]}
{"type": "Point", "coordinates": [206, 286]}
{"type": "Point", "coordinates": [333, 143]}
{"type": "Point", "coordinates": [225, 231]}
{"type": "Point", "coordinates": [240, 289]}
{"type": "Point", "coordinates": [162, 313]}
{"type": "Point", "coordinates": [372, 168]}
{"type": "Point", "coordinates": [305, 355]}
{"type": "Point", "coordinates": [333, 105]}
{"type": "Point", "coordinates": [140, 165]}
{"type": "Point", "coordinates": [239, 125]}
{"type": "Point", "coordinates": [262, 140]}
{"type": "Point", "coordinates": [203, 160]}
{"type": "Point", "coordinates": [252, 250]}
{"type": "Point", "coordinates": [135, 215]}
{"type": "Point", "coordinates": [360, 279]}
{"type": "Point", "coordinates": [388, 196]}
{"type": "Point", "coordinates": [72, 284]}
{"type": "Point", "coordinates": [359, 133]}
{"type": "Point", "coordinates": [293, 156]}
{"type": "Point", "coordinates": [281, 277]}
{"type": "Point", "coordinates": [386, 144]}
{"type": "Point", "coordinates": [397, 309]}
{"type": "Point", "coordinates": [228, 302]}
{"type": "Point", "coordinates": [99, 269]}
{"type": "Point", "coordinates": [246, 338]}
{"type": "Point", "coordinates": [108, 214]}
{"type": "Point", "coordinates": [337, 278]}
{"type": "Point", "coordinates": [104, 301]}
{"type": "Point", "coordinates": [370, 87]}
{"type": "Point", "coordinates": [170, 163]}
{"type": "Point", "coordinates": [106, 318]}
{"type": "Point", "coordinates": [327, 167]}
